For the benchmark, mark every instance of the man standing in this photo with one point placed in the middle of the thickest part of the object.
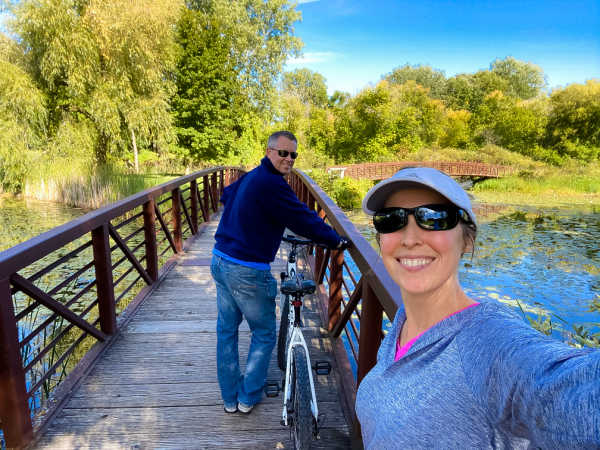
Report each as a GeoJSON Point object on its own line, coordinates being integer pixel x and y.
{"type": "Point", "coordinates": [258, 209]}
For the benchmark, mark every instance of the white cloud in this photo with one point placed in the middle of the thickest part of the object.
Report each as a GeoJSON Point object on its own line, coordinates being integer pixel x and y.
{"type": "Point", "coordinates": [306, 1]}
{"type": "Point", "coordinates": [313, 57]}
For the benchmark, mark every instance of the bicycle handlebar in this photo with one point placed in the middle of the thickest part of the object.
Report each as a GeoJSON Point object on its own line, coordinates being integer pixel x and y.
{"type": "Point", "coordinates": [297, 241]}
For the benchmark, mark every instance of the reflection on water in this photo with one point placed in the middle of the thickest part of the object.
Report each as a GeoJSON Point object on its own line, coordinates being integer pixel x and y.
{"type": "Point", "coordinates": [21, 220]}
{"type": "Point", "coordinates": [545, 259]}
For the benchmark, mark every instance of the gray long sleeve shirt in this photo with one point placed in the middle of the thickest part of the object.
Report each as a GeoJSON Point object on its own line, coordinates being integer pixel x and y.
{"type": "Point", "coordinates": [481, 378]}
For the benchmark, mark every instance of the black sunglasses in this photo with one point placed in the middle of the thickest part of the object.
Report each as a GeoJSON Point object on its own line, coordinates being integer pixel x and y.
{"type": "Point", "coordinates": [428, 217]}
{"type": "Point", "coordinates": [285, 153]}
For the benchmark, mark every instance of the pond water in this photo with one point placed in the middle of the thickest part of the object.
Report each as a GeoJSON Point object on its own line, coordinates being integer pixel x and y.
{"type": "Point", "coordinates": [22, 219]}
{"type": "Point", "coordinates": [547, 260]}
{"type": "Point", "coordinates": [543, 261]}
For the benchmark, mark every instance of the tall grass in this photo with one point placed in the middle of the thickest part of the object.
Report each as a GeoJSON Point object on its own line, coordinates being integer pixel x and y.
{"type": "Point", "coordinates": [573, 183]}
{"type": "Point", "coordinates": [85, 186]}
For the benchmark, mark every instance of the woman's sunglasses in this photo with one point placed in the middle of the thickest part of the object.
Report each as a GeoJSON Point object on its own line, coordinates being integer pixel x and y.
{"type": "Point", "coordinates": [428, 217]}
{"type": "Point", "coordinates": [285, 153]}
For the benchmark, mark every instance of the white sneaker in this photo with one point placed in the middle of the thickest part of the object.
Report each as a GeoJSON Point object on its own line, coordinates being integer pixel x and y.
{"type": "Point", "coordinates": [230, 409]}
{"type": "Point", "coordinates": [244, 409]}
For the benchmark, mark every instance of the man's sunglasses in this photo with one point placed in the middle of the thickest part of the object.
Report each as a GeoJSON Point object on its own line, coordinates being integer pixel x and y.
{"type": "Point", "coordinates": [428, 217]}
{"type": "Point", "coordinates": [285, 153]}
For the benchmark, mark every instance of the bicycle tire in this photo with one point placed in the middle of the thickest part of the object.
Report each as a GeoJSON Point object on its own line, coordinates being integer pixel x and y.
{"type": "Point", "coordinates": [282, 338]}
{"type": "Point", "coordinates": [302, 420]}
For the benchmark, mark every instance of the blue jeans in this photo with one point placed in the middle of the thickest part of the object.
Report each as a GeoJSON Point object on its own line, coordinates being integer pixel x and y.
{"type": "Point", "coordinates": [243, 292]}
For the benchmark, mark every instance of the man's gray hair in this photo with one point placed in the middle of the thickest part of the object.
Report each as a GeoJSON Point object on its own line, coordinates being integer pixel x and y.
{"type": "Point", "coordinates": [286, 134]}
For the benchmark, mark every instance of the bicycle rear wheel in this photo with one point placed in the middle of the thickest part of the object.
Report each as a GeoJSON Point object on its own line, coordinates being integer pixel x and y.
{"type": "Point", "coordinates": [302, 420]}
{"type": "Point", "coordinates": [282, 338]}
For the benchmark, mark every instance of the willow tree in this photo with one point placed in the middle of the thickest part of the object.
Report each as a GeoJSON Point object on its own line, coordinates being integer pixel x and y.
{"type": "Point", "coordinates": [232, 53]}
{"type": "Point", "coordinates": [105, 66]}
{"type": "Point", "coordinates": [22, 117]}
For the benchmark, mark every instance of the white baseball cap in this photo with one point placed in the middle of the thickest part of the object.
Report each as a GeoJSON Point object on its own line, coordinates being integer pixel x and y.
{"type": "Point", "coordinates": [419, 176]}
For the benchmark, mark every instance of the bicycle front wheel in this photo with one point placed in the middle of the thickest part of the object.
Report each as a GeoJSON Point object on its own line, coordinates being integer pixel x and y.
{"type": "Point", "coordinates": [283, 335]}
{"type": "Point", "coordinates": [302, 420]}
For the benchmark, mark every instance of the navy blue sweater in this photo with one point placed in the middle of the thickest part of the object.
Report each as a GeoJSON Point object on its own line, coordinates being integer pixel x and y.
{"type": "Point", "coordinates": [258, 209]}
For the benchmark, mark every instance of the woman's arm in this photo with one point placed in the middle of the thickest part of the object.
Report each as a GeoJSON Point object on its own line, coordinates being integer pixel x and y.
{"type": "Point", "coordinates": [536, 387]}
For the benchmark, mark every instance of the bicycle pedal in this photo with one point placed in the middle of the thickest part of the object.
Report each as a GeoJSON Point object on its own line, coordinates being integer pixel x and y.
{"type": "Point", "coordinates": [272, 389]}
{"type": "Point", "coordinates": [322, 367]}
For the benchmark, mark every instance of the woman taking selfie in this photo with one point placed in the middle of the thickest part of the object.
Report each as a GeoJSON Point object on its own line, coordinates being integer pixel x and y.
{"type": "Point", "coordinates": [452, 372]}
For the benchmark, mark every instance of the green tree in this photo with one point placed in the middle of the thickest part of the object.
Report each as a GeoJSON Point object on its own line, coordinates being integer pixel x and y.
{"type": "Point", "coordinates": [456, 130]}
{"type": "Point", "coordinates": [338, 99]}
{"type": "Point", "coordinates": [209, 111]}
{"type": "Point", "coordinates": [23, 117]}
{"type": "Point", "coordinates": [573, 120]}
{"type": "Point", "coordinates": [104, 64]}
{"type": "Point", "coordinates": [426, 76]}
{"type": "Point", "coordinates": [320, 136]}
{"type": "Point", "coordinates": [517, 125]}
{"type": "Point", "coordinates": [526, 80]}
{"type": "Point", "coordinates": [232, 53]}
{"type": "Point", "coordinates": [309, 86]}
{"type": "Point", "coordinates": [385, 120]}
{"type": "Point", "coordinates": [468, 91]}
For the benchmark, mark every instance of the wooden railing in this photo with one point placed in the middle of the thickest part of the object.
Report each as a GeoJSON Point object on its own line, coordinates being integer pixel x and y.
{"type": "Point", "coordinates": [65, 293]}
{"type": "Point", "coordinates": [355, 290]}
{"type": "Point", "coordinates": [379, 171]}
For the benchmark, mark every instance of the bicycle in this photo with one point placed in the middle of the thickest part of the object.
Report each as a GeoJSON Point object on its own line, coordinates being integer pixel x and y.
{"type": "Point", "coordinates": [300, 409]}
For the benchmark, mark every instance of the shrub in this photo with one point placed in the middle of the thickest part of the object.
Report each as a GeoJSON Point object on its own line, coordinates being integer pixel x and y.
{"type": "Point", "coordinates": [348, 192]}
{"type": "Point", "coordinates": [323, 179]}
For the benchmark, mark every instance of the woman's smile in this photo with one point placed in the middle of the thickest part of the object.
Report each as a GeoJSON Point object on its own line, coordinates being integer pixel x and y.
{"type": "Point", "coordinates": [413, 263]}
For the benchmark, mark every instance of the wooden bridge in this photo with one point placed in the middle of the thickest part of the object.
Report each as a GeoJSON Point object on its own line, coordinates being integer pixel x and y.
{"type": "Point", "coordinates": [107, 327]}
{"type": "Point", "coordinates": [379, 171]}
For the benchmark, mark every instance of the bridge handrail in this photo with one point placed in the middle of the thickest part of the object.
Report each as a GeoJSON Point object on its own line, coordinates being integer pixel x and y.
{"type": "Point", "coordinates": [375, 290]}
{"type": "Point", "coordinates": [23, 354]}
{"type": "Point", "coordinates": [23, 254]}
{"type": "Point", "coordinates": [380, 170]}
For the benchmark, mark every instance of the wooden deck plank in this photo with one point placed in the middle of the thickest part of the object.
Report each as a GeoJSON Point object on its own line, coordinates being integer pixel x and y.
{"type": "Point", "coordinates": [156, 386]}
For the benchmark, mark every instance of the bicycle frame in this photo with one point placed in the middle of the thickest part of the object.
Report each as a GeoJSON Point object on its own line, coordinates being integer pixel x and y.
{"type": "Point", "coordinates": [296, 338]}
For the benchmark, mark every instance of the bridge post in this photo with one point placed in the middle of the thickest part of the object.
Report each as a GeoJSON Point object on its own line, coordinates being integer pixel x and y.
{"type": "Point", "coordinates": [150, 239]}
{"type": "Point", "coordinates": [104, 279]}
{"type": "Point", "coordinates": [370, 332]}
{"type": "Point", "coordinates": [214, 187]}
{"type": "Point", "coordinates": [14, 409]}
{"type": "Point", "coordinates": [319, 252]}
{"type": "Point", "coordinates": [336, 279]}
{"type": "Point", "coordinates": [194, 205]}
{"type": "Point", "coordinates": [176, 220]}
{"type": "Point", "coordinates": [221, 182]}
{"type": "Point", "coordinates": [205, 194]}
{"type": "Point", "coordinates": [311, 202]}
{"type": "Point", "coordinates": [306, 193]}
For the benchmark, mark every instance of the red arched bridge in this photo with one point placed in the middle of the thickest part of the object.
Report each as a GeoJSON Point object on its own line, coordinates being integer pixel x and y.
{"type": "Point", "coordinates": [379, 171]}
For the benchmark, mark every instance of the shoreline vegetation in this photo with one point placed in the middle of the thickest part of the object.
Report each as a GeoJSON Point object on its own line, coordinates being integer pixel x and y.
{"type": "Point", "coordinates": [535, 183]}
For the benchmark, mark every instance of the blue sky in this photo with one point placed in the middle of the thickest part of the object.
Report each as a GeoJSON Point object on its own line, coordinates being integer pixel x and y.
{"type": "Point", "coordinates": [353, 43]}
